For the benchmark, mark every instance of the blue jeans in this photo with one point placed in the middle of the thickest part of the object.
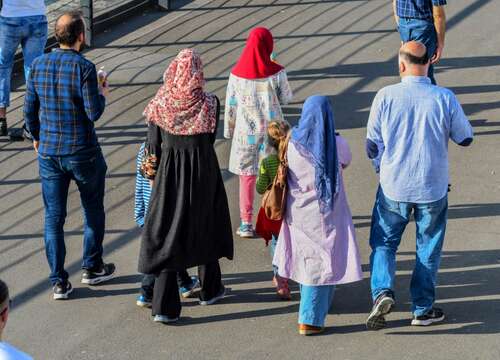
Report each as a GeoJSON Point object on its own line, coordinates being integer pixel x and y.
{"type": "Point", "coordinates": [315, 302]}
{"type": "Point", "coordinates": [31, 33]}
{"type": "Point", "coordinates": [88, 169]}
{"type": "Point", "coordinates": [422, 31]}
{"type": "Point", "coordinates": [272, 249]}
{"type": "Point", "coordinates": [389, 220]}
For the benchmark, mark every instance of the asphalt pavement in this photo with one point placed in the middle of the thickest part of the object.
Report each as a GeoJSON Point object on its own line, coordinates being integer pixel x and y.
{"type": "Point", "coordinates": [345, 49]}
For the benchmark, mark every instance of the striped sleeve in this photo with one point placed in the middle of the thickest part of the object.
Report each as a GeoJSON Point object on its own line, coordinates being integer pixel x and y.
{"type": "Point", "coordinates": [140, 206]}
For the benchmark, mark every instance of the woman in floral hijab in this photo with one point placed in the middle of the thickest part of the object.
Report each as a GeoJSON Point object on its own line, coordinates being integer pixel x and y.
{"type": "Point", "coordinates": [188, 222]}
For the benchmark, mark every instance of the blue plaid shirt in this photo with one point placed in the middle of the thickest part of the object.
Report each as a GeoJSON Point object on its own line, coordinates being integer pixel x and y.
{"type": "Point", "coordinates": [417, 9]}
{"type": "Point", "coordinates": [62, 103]}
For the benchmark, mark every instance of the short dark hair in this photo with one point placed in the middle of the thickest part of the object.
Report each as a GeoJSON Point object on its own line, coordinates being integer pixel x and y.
{"type": "Point", "coordinates": [68, 33]}
{"type": "Point", "coordinates": [413, 59]}
{"type": "Point", "coordinates": [4, 293]}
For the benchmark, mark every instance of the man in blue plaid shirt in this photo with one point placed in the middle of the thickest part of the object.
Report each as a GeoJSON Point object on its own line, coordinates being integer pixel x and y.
{"type": "Point", "coordinates": [63, 100]}
{"type": "Point", "coordinates": [423, 21]}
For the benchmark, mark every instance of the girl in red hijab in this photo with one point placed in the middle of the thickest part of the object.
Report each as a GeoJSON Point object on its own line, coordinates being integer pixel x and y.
{"type": "Point", "coordinates": [255, 62]}
{"type": "Point", "coordinates": [257, 88]}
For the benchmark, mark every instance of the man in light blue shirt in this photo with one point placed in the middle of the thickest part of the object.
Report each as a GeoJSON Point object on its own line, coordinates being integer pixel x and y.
{"type": "Point", "coordinates": [409, 128]}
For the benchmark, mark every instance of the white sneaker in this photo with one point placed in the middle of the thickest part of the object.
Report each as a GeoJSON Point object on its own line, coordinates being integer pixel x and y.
{"type": "Point", "coordinates": [165, 319]}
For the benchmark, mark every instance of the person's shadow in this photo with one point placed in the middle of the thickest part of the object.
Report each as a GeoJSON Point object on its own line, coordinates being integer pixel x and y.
{"type": "Point", "coordinates": [468, 289]}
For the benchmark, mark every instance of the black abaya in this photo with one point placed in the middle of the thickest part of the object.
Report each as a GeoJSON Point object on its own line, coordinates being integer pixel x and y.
{"type": "Point", "coordinates": [188, 222]}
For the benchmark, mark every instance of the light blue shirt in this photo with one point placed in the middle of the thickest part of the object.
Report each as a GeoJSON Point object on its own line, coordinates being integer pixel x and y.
{"type": "Point", "coordinates": [411, 123]}
{"type": "Point", "coordinates": [22, 8]}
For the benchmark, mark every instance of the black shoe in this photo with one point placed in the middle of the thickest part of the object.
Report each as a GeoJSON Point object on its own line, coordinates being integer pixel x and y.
{"type": "Point", "coordinates": [62, 290]}
{"type": "Point", "coordinates": [432, 316]}
{"type": "Point", "coordinates": [383, 306]}
{"type": "Point", "coordinates": [219, 296]}
{"type": "Point", "coordinates": [3, 127]}
{"type": "Point", "coordinates": [16, 134]}
{"type": "Point", "coordinates": [93, 277]}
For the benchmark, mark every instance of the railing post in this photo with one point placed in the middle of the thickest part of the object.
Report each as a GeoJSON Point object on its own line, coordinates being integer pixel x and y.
{"type": "Point", "coordinates": [163, 4]}
{"type": "Point", "coordinates": [87, 7]}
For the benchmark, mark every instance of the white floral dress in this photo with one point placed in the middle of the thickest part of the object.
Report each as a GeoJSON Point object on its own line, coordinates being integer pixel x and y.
{"type": "Point", "coordinates": [250, 105]}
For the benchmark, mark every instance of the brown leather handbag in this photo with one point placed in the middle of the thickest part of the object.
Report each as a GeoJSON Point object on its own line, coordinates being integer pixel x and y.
{"type": "Point", "coordinates": [274, 199]}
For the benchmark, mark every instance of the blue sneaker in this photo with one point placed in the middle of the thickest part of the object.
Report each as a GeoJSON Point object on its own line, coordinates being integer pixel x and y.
{"type": "Point", "coordinates": [245, 231]}
{"type": "Point", "coordinates": [143, 301]}
{"type": "Point", "coordinates": [187, 291]}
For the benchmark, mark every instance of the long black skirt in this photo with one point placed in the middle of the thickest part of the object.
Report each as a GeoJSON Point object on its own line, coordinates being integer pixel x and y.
{"type": "Point", "coordinates": [188, 222]}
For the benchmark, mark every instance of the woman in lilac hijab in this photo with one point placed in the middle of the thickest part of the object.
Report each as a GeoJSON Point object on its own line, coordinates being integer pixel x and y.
{"type": "Point", "coordinates": [317, 246]}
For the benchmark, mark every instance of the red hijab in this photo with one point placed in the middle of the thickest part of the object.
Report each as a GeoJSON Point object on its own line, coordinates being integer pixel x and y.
{"type": "Point", "coordinates": [255, 61]}
{"type": "Point", "coordinates": [180, 106]}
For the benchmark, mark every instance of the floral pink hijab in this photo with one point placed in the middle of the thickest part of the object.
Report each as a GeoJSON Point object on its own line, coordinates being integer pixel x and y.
{"type": "Point", "coordinates": [180, 106]}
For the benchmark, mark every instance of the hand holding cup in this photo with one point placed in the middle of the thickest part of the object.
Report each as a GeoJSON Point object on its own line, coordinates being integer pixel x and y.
{"type": "Point", "coordinates": [102, 78]}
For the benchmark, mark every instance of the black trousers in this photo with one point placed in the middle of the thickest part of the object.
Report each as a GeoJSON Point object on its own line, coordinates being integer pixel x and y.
{"type": "Point", "coordinates": [166, 298]}
{"type": "Point", "coordinates": [148, 283]}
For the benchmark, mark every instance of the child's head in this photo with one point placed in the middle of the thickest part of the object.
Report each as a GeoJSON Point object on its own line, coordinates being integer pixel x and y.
{"type": "Point", "coordinates": [277, 131]}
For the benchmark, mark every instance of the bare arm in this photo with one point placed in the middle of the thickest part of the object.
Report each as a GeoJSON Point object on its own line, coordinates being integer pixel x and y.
{"type": "Point", "coordinates": [440, 25]}
{"type": "Point", "coordinates": [230, 109]}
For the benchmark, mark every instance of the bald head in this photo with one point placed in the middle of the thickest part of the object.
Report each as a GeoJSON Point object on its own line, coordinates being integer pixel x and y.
{"type": "Point", "coordinates": [413, 59]}
{"type": "Point", "coordinates": [413, 48]}
{"type": "Point", "coordinates": [70, 28]}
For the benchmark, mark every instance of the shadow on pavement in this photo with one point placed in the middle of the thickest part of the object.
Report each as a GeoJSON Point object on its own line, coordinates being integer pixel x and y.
{"type": "Point", "coordinates": [467, 290]}
{"type": "Point", "coordinates": [95, 292]}
{"type": "Point", "coordinates": [42, 286]}
{"type": "Point", "coordinates": [350, 106]}
{"type": "Point", "coordinates": [465, 279]}
{"type": "Point", "coordinates": [469, 317]}
{"type": "Point", "coordinates": [468, 274]}
{"type": "Point", "coordinates": [459, 211]}
{"type": "Point", "coordinates": [291, 308]}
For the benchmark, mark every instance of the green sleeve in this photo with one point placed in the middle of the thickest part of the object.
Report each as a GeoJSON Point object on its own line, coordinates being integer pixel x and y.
{"type": "Point", "coordinates": [263, 180]}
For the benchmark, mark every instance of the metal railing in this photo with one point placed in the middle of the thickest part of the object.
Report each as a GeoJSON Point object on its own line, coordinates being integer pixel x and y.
{"type": "Point", "coordinates": [99, 14]}
{"type": "Point", "coordinates": [87, 8]}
